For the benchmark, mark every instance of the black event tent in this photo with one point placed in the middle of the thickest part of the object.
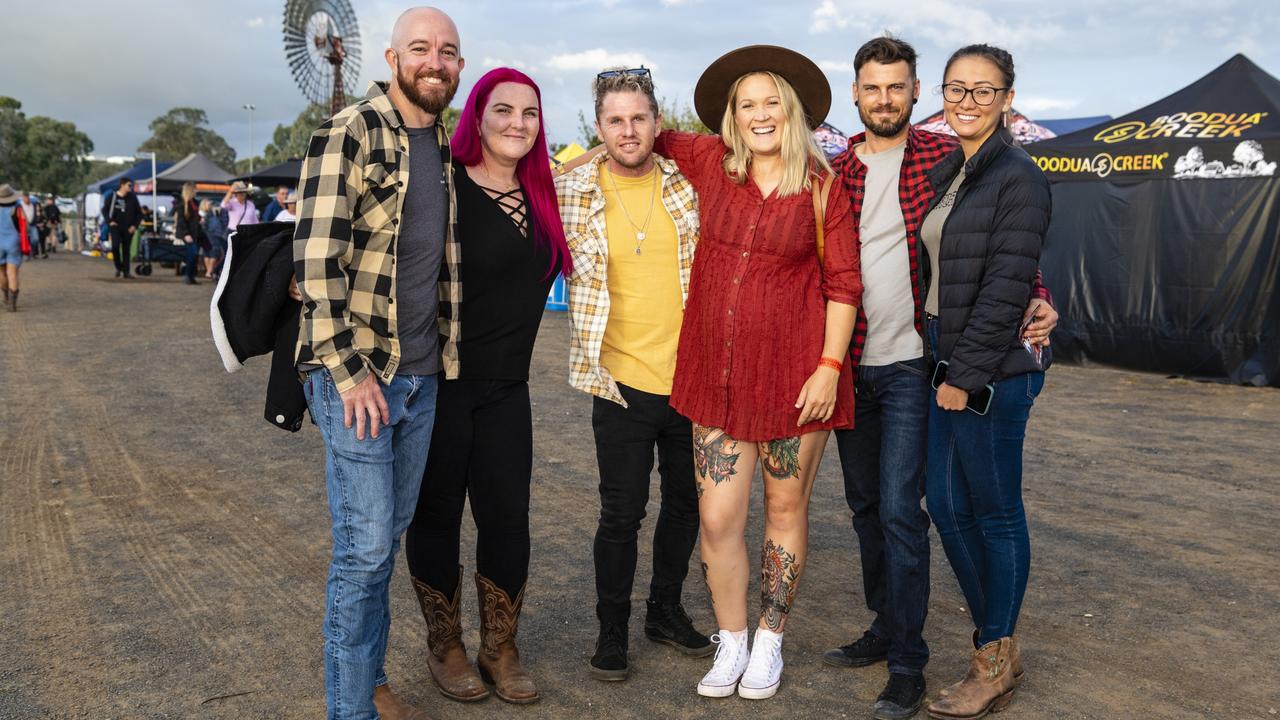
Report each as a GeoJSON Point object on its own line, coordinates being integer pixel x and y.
{"type": "Point", "coordinates": [286, 173]}
{"type": "Point", "coordinates": [194, 168]}
{"type": "Point", "coordinates": [1164, 249]}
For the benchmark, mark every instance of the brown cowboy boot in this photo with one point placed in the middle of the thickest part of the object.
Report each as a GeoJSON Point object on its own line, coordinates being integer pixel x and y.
{"type": "Point", "coordinates": [390, 707]}
{"type": "Point", "coordinates": [447, 659]}
{"type": "Point", "coordinates": [499, 660]}
{"type": "Point", "coordinates": [987, 687]}
{"type": "Point", "coordinates": [1015, 662]}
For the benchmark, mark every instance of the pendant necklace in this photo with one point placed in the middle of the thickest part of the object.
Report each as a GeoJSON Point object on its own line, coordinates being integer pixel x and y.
{"type": "Point", "coordinates": [640, 229]}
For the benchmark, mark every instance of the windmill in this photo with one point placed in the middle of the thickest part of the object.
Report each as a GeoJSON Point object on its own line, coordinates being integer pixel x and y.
{"type": "Point", "coordinates": [322, 45]}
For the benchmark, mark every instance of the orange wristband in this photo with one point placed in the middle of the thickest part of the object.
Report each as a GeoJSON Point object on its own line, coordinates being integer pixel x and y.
{"type": "Point", "coordinates": [831, 363]}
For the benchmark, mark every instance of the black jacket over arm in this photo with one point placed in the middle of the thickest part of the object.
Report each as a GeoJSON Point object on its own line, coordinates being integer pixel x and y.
{"type": "Point", "coordinates": [132, 216]}
{"type": "Point", "coordinates": [990, 254]}
{"type": "Point", "coordinates": [252, 314]}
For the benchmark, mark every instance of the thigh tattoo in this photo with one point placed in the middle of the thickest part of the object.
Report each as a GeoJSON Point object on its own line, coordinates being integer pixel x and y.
{"type": "Point", "coordinates": [714, 455]}
{"type": "Point", "coordinates": [781, 458]}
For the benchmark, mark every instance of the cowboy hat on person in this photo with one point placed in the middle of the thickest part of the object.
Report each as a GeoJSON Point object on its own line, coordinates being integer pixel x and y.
{"type": "Point", "coordinates": [240, 186]}
{"type": "Point", "coordinates": [7, 195]}
{"type": "Point", "coordinates": [292, 198]}
{"type": "Point", "coordinates": [712, 92]}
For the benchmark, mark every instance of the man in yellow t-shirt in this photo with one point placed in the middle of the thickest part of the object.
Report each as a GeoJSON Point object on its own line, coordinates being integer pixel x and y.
{"type": "Point", "coordinates": [631, 220]}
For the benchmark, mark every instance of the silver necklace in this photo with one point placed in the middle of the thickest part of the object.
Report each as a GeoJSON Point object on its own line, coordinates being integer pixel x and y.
{"type": "Point", "coordinates": [640, 229]}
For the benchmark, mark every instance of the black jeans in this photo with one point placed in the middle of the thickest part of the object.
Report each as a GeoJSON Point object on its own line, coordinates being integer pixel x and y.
{"type": "Point", "coordinates": [625, 440]}
{"type": "Point", "coordinates": [883, 458]}
{"type": "Point", "coordinates": [482, 448]}
{"type": "Point", "coordinates": [120, 239]}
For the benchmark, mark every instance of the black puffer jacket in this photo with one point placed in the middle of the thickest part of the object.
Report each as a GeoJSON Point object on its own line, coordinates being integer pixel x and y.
{"type": "Point", "coordinates": [989, 256]}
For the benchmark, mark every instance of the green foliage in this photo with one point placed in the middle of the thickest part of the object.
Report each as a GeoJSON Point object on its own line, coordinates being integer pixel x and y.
{"type": "Point", "coordinates": [96, 170]}
{"type": "Point", "coordinates": [587, 131]}
{"type": "Point", "coordinates": [183, 131]}
{"type": "Point", "coordinates": [52, 156]}
{"type": "Point", "coordinates": [289, 141]}
{"type": "Point", "coordinates": [13, 131]}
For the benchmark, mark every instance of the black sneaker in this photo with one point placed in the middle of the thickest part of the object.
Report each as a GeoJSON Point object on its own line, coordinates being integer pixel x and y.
{"type": "Point", "coordinates": [670, 625]}
{"type": "Point", "coordinates": [901, 697]}
{"type": "Point", "coordinates": [865, 650]}
{"type": "Point", "coordinates": [610, 661]}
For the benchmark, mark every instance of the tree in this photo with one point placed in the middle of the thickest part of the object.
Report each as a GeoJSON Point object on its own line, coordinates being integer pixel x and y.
{"type": "Point", "coordinates": [290, 141]}
{"type": "Point", "coordinates": [183, 131]}
{"type": "Point", "coordinates": [13, 133]}
{"type": "Point", "coordinates": [52, 157]}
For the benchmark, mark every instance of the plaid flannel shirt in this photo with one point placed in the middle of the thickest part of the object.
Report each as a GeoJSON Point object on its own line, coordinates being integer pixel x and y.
{"type": "Point", "coordinates": [344, 248]}
{"type": "Point", "coordinates": [582, 211]}
{"type": "Point", "coordinates": [924, 150]}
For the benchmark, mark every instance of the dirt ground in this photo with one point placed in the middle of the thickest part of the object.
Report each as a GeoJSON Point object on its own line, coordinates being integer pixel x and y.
{"type": "Point", "coordinates": [163, 549]}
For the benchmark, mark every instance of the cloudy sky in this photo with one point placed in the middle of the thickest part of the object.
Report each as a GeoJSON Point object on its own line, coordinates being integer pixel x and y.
{"type": "Point", "coordinates": [111, 67]}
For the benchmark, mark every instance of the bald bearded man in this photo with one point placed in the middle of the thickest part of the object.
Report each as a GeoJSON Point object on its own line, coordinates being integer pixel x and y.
{"type": "Point", "coordinates": [376, 266]}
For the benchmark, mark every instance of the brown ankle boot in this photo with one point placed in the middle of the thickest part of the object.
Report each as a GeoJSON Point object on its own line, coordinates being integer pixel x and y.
{"type": "Point", "coordinates": [499, 660]}
{"type": "Point", "coordinates": [390, 707]}
{"type": "Point", "coordinates": [987, 687]}
{"type": "Point", "coordinates": [1015, 661]}
{"type": "Point", "coordinates": [447, 659]}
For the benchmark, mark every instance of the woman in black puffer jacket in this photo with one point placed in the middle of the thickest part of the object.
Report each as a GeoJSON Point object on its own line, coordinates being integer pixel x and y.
{"type": "Point", "coordinates": [983, 236]}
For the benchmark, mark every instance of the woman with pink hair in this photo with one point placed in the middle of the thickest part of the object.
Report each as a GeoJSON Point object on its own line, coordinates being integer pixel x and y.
{"type": "Point", "coordinates": [513, 246]}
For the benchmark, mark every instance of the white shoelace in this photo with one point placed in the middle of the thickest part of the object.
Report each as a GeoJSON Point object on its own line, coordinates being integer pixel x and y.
{"type": "Point", "coordinates": [765, 657]}
{"type": "Point", "coordinates": [726, 658]}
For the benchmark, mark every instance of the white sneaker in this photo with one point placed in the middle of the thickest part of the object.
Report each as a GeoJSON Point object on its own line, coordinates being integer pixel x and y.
{"type": "Point", "coordinates": [730, 662]}
{"type": "Point", "coordinates": [764, 670]}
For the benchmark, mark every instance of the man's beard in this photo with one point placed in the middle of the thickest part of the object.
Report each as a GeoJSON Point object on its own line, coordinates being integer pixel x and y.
{"type": "Point", "coordinates": [431, 101]}
{"type": "Point", "coordinates": [884, 128]}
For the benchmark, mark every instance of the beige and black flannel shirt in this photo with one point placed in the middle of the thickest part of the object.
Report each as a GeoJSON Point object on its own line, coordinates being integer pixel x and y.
{"type": "Point", "coordinates": [344, 249]}
{"type": "Point", "coordinates": [582, 211]}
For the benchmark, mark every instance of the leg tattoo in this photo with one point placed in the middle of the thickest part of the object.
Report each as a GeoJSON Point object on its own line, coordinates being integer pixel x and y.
{"type": "Point", "coordinates": [713, 454]}
{"type": "Point", "coordinates": [778, 576]}
{"type": "Point", "coordinates": [781, 458]}
{"type": "Point", "coordinates": [707, 580]}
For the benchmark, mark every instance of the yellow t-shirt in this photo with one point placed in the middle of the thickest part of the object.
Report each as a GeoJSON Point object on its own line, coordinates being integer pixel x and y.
{"type": "Point", "coordinates": [645, 305]}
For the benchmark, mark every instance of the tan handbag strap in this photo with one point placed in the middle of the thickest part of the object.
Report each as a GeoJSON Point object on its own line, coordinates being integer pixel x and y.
{"type": "Point", "coordinates": [820, 197]}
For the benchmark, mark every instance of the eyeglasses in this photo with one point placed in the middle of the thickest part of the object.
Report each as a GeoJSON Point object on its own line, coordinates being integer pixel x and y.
{"type": "Point", "coordinates": [640, 72]}
{"type": "Point", "coordinates": [954, 93]}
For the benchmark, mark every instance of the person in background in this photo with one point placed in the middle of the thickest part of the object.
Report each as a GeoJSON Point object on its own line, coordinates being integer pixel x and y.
{"type": "Point", "coordinates": [289, 213]}
{"type": "Point", "coordinates": [984, 232]}
{"type": "Point", "coordinates": [52, 224]}
{"type": "Point", "coordinates": [277, 205]}
{"type": "Point", "coordinates": [186, 227]}
{"type": "Point", "coordinates": [214, 219]}
{"type": "Point", "coordinates": [123, 216]}
{"type": "Point", "coordinates": [35, 236]}
{"type": "Point", "coordinates": [10, 246]}
{"type": "Point", "coordinates": [238, 206]}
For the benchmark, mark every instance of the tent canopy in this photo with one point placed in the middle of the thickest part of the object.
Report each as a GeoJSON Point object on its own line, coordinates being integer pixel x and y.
{"type": "Point", "coordinates": [1163, 252]}
{"type": "Point", "coordinates": [286, 173]}
{"type": "Point", "coordinates": [140, 171]}
{"type": "Point", "coordinates": [1223, 125]}
{"type": "Point", "coordinates": [194, 168]}
{"type": "Point", "coordinates": [1063, 126]}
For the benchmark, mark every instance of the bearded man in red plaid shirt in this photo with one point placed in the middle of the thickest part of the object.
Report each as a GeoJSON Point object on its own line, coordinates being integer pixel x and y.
{"type": "Point", "coordinates": [886, 171]}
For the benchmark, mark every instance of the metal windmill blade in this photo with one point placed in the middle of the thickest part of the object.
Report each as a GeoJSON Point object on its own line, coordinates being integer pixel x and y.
{"type": "Point", "coordinates": [322, 46]}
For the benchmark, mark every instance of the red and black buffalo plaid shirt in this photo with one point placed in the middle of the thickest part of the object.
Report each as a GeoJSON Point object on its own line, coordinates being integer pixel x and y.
{"type": "Point", "coordinates": [924, 150]}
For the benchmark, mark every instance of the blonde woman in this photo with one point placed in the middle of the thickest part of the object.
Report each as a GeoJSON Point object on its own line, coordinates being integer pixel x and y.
{"type": "Point", "coordinates": [761, 367]}
{"type": "Point", "coordinates": [186, 226]}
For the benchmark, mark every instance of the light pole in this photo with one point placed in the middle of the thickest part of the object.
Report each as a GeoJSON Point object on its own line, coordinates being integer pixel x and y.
{"type": "Point", "coordinates": [250, 107]}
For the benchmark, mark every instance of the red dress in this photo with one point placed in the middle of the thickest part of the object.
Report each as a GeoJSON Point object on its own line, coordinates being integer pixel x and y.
{"type": "Point", "coordinates": [755, 320]}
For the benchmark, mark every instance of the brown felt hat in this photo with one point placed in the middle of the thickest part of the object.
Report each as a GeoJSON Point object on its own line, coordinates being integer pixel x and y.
{"type": "Point", "coordinates": [712, 92]}
{"type": "Point", "coordinates": [7, 195]}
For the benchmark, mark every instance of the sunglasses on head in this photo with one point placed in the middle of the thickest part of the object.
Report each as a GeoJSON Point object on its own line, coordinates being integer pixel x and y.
{"type": "Point", "coordinates": [640, 71]}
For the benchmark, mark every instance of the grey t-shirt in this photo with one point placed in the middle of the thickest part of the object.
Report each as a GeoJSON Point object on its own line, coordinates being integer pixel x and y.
{"type": "Point", "coordinates": [886, 264]}
{"type": "Point", "coordinates": [418, 254]}
{"type": "Point", "coordinates": [931, 234]}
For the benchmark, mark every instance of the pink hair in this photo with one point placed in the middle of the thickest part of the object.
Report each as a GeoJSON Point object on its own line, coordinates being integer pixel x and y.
{"type": "Point", "coordinates": [533, 170]}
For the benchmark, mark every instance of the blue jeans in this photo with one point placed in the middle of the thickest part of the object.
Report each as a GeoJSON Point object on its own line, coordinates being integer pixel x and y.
{"type": "Point", "coordinates": [372, 486]}
{"type": "Point", "coordinates": [883, 462]}
{"type": "Point", "coordinates": [974, 492]}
